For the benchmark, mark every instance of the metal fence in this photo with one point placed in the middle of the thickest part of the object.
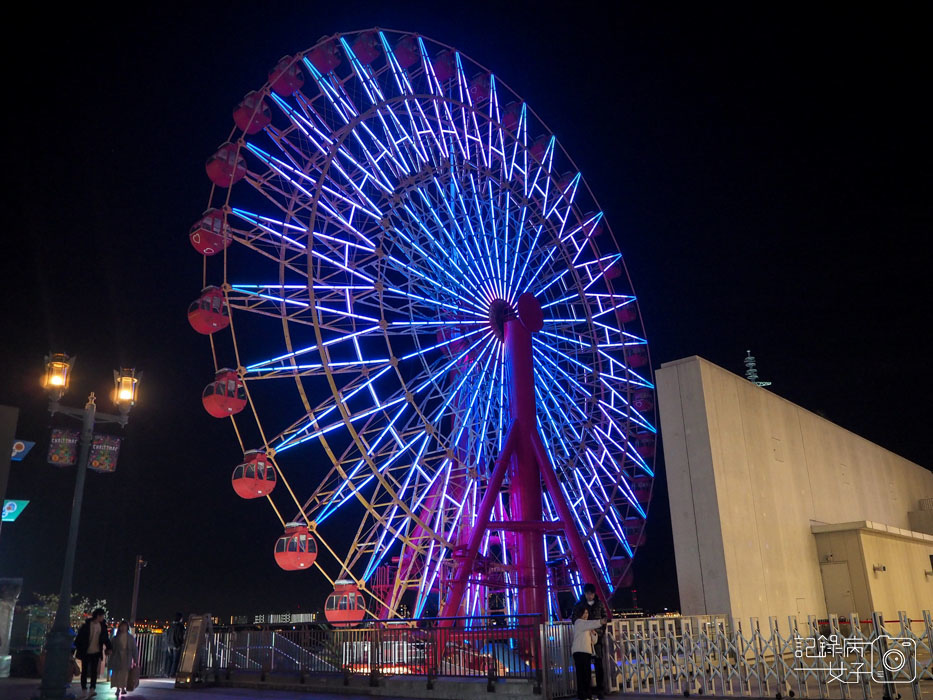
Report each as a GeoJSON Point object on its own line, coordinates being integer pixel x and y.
{"type": "Point", "coordinates": [153, 654]}
{"type": "Point", "coordinates": [843, 658]}
{"type": "Point", "coordinates": [714, 655]}
{"type": "Point", "coordinates": [491, 648]}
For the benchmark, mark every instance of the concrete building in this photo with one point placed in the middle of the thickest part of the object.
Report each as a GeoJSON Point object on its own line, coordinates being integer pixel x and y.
{"type": "Point", "coordinates": [777, 511]}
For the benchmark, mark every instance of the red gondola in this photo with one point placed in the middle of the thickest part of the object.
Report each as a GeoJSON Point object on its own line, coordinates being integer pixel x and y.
{"type": "Point", "coordinates": [641, 488]}
{"type": "Point", "coordinates": [406, 52]}
{"type": "Point", "coordinates": [563, 182]}
{"type": "Point", "coordinates": [255, 477]}
{"type": "Point", "coordinates": [345, 607]}
{"type": "Point", "coordinates": [627, 313]}
{"type": "Point", "coordinates": [227, 166]}
{"type": "Point", "coordinates": [444, 67]}
{"type": "Point", "coordinates": [366, 48]}
{"type": "Point", "coordinates": [636, 356]}
{"type": "Point", "coordinates": [286, 78]}
{"type": "Point", "coordinates": [325, 57]}
{"type": "Point", "coordinates": [614, 271]}
{"type": "Point", "coordinates": [225, 396]}
{"type": "Point", "coordinates": [296, 549]}
{"type": "Point", "coordinates": [479, 87]}
{"type": "Point", "coordinates": [209, 314]}
{"type": "Point", "coordinates": [510, 116]}
{"type": "Point", "coordinates": [635, 535]}
{"type": "Point", "coordinates": [538, 148]}
{"type": "Point", "coordinates": [643, 400]}
{"type": "Point", "coordinates": [592, 224]}
{"type": "Point", "coordinates": [252, 115]}
{"type": "Point", "coordinates": [210, 234]}
{"type": "Point", "coordinates": [644, 444]}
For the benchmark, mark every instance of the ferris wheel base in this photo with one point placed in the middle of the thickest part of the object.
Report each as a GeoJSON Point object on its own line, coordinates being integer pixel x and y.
{"type": "Point", "coordinates": [528, 464]}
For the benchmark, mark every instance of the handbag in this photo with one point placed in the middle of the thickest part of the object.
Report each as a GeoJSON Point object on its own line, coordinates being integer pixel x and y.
{"type": "Point", "coordinates": [132, 679]}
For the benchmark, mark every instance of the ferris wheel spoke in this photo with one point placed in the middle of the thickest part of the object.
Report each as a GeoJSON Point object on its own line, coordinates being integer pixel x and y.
{"type": "Point", "coordinates": [341, 105]}
{"type": "Point", "coordinates": [382, 548]}
{"type": "Point", "coordinates": [331, 500]}
{"type": "Point", "coordinates": [302, 181]}
{"type": "Point", "coordinates": [466, 241]}
{"type": "Point", "coordinates": [448, 251]}
{"type": "Point", "coordinates": [468, 119]}
{"type": "Point", "coordinates": [275, 228]}
{"type": "Point", "coordinates": [582, 517]}
{"type": "Point", "coordinates": [617, 479]}
{"type": "Point", "coordinates": [495, 144]}
{"type": "Point", "coordinates": [398, 73]}
{"type": "Point", "coordinates": [434, 283]}
{"type": "Point", "coordinates": [427, 256]}
{"type": "Point", "coordinates": [311, 130]}
{"type": "Point", "coordinates": [387, 460]}
{"type": "Point", "coordinates": [549, 427]}
{"type": "Point", "coordinates": [424, 492]}
{"type": "Point", "coordinates": [473, 264]}
{"type": "Point", "coordinates": [553, 363]}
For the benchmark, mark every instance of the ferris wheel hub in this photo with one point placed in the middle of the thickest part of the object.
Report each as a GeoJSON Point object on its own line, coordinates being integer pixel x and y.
{"type": "Point", "coordinates": [530, 312]}
{"type": "Point", "coordinates": [500, 311]}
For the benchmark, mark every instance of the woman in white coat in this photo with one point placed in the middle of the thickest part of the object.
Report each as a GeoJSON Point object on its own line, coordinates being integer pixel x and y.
{"type": "Point", "coordinates": [584, 635]}
{"type": "Point", "coordinates": [122, 658]}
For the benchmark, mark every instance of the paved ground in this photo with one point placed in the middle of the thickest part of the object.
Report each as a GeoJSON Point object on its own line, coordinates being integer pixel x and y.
{"type": "Point", "coordinates": [164, 689]}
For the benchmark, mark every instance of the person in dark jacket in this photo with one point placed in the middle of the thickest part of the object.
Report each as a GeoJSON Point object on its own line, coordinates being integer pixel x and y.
{"type": "Point", "coordinates": [176, 639]}
{"type": "Point", "coordinates": [590, 602]}
{"type": "Point", "coordinates": [92, 642]}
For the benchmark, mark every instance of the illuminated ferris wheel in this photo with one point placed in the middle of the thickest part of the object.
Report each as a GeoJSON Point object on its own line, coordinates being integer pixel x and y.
{"type": "Point", "coordinates": [411, 289]}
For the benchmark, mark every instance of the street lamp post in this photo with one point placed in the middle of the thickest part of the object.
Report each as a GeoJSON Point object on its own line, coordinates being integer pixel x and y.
{"type": "Point", "coordinates": [57, 674]}
{"type": "Point", "coordinates": [140, 563]}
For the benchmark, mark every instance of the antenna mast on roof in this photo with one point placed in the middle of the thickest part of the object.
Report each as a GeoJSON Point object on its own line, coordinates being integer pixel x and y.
{"type": "Point", "coordinates": [751, 370]}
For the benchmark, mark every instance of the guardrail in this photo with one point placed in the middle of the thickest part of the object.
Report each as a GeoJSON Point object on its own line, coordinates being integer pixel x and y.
{"type": "Point", "coordinates": [843, 658]}
{"type": "Point", "coordinates": [487, 647]}
{"type": "Point", "coordinates": [153, 654]}
{"type": "Point", "coordinates": [831, 658]}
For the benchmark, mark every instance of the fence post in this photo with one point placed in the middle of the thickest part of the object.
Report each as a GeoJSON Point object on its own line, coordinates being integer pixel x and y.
{"type": "Point", "coordinates": [877, 623]}
{"type": "Point", "coordinates": [375, 654]}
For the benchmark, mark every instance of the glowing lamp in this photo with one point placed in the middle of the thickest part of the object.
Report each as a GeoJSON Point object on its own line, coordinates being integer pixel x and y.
{"type": "Point", "coordinates": [57, 373]}
{"type": "Point", "coordinates": [126, 384]}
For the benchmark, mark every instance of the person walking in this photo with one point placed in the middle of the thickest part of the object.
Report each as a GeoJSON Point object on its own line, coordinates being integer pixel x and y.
{"type": "Point", "coordinates": [584, 635]}
{"type": "Point", "coordinates": [92, 641]}
{"type": "Point", "coordinates": [122, 659]}
{"type": "Point", "coordinates": [597, 611]}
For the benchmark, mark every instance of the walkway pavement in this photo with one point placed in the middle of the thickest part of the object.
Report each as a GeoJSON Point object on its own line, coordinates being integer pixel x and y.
{"type": "Point", "coordinates": [164, 689]}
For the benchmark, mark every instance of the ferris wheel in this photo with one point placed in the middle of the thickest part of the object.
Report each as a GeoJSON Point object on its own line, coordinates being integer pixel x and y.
{"type": "Point", "coordinates": [422, 325]}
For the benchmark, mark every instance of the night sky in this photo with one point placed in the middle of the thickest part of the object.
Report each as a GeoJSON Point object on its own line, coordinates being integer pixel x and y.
{"type": "Point", "coordinates": [765, 170]}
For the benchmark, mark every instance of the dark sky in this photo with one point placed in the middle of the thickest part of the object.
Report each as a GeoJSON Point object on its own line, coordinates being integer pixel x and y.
{"type": "Point", "coordinates": [765, 170]}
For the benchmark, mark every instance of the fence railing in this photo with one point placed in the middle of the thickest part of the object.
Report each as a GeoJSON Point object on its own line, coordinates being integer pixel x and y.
{"type": "Point", "coordinates": [844, 658]}
{"type": "Point", "coordinates": [832, 658]}
{"type": "Point", "coordinates": [491, 648]}
{"type": "Point", "coordinates": [154, 657]}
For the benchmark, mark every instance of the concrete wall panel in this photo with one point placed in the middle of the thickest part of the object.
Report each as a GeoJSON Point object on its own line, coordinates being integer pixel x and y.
{"type": "Point", "coordinates": [748, 474]}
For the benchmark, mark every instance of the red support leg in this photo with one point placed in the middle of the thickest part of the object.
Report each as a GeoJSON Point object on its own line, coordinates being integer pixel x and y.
{"type": "Point", "coordinates": [577, 548]}
{"type": "Point", "coordinates": [525, 499]}
{"type": "Point", "coordinates": [458, 587]}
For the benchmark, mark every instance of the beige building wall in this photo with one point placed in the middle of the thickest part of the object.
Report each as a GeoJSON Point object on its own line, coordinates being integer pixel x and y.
{"type": "Point", "coordinates": [748, 474]}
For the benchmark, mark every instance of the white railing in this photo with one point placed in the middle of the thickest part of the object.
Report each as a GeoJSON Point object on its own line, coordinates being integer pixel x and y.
{"type": "Point", "coordinates": [715, 655]}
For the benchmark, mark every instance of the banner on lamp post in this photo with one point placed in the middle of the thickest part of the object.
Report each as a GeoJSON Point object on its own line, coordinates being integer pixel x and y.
{"type": "Point", "coordinates": [104, 452]}
{"type": "Point", "coordinates": [63, 447]}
